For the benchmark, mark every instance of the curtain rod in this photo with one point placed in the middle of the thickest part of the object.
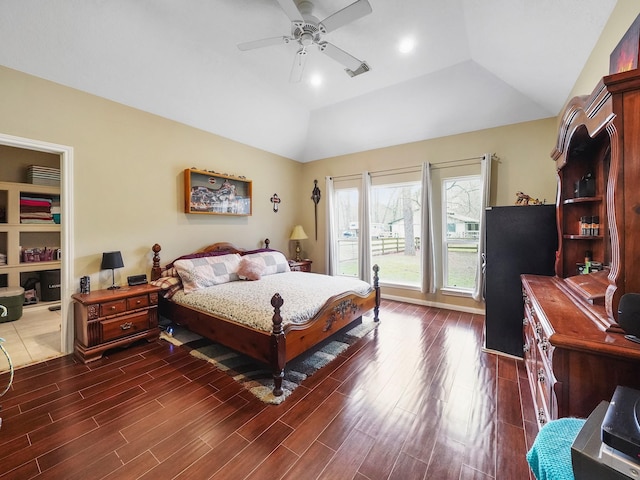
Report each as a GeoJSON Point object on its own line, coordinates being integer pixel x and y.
{"type": "Point", "coordinates": [413, 168]}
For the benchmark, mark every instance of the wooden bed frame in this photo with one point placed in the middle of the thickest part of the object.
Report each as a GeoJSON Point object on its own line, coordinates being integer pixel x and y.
{"type": "Point", "coordinates": [282, 344]}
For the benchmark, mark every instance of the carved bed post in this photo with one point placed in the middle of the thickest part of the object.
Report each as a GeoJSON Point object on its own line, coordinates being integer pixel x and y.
{"type": "Point", "coordinates": [278, 346]}
{"type": "Point", "coordinates": [155, 270]}
{"type": "Point", "coordinates": [376, 287]}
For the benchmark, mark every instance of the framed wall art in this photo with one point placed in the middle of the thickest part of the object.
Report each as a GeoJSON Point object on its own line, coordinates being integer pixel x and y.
{"type": "Point", "coordinates": [216, 194]}
{"type": "Point", "coordinates": [625, 56]}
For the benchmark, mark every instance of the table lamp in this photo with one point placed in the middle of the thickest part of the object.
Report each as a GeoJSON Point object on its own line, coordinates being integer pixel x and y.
{"type": "Point", "coordinates": [298, 234]}
{"type": "Point", "coordinates": [112, 260]}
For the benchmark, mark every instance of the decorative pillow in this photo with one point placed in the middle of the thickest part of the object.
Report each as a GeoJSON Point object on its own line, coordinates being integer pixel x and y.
{"type": "Point", "coordinates": [250, 270]}
{"type": "Point", "coordinates": [170, 284]}
{"type": "Point", "coordinates": [273, 261]}
{"type": "Point", "coordinates": [190, 256]}
{"type": "Point", "coordinates": [197, 273]}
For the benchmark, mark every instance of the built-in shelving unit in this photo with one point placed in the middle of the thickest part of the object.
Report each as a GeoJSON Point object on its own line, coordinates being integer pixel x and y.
{"type": "Point", "coordinates": [16, 236]}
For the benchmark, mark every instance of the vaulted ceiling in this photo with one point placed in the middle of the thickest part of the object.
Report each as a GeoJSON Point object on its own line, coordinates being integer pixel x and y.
{"type": "Point", "coordinates": [476, 64]}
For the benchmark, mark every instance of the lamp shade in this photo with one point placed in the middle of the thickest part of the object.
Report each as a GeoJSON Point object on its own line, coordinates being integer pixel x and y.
{"type": "Point", "coordinates": [298, 233]}
{"type": "Point", "coordinates": [111, 260]}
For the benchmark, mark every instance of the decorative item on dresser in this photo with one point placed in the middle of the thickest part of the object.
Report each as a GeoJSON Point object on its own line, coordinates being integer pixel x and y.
{"type": "Point", "coordinates": [300, 265]}
{"type": "Point", "coordinates": [106, 319]}
{"type": "Point", "coordinates": [575, 351]}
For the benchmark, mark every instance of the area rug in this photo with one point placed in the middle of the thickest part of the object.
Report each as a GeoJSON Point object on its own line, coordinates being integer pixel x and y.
{"type": "Point", "coordinates": [256, 376]}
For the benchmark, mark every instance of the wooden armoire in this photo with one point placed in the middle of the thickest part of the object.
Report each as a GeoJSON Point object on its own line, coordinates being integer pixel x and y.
{"type": "Point", "coordinates": [575, 352]}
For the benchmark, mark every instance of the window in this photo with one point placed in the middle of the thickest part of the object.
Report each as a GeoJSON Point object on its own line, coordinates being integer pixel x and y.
{"type": "Point", "coordinates": [395, 232]}
{"type": "Point", "coordinates": [346, 216]}
{"type": "Point", "coordinates": [462, 204]}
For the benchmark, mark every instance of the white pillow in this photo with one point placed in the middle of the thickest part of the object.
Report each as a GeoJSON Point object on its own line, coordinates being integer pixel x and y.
{"type": "Point", "coordinates": [197, 273]}
{"type": "Point", "coordinates": [273, 262]}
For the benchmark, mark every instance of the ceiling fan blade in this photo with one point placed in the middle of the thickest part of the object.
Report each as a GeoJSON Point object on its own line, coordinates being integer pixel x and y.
{"type": "Point", "coordinates": [348, 14]}
{"type": "Point", "coordinates": [298, 66]}
{"type": "Point", "coordinates": [291, 9]}
{"type": "Point", "coordinates": [264, 42]}
{"type": "Point", "coordinates": [340, 56]}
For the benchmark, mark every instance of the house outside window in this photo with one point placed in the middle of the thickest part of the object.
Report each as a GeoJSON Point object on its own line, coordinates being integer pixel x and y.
{"type": "Point", "coordinates": [462, 205]}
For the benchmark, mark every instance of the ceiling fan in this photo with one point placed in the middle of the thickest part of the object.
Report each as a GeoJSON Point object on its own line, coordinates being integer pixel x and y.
{"type": "Point", "coordinates": [307, 30]}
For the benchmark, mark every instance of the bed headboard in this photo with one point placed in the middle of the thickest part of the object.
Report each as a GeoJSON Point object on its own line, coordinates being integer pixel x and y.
{"type": "Point", "coordinates": [226, 247]}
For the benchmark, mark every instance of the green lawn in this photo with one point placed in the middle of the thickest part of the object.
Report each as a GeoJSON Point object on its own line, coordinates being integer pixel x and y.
{"type": "Point", "coordinates": [400, 268]}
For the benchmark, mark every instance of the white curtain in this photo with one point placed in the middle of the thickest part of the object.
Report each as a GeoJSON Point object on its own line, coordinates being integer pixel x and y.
{"type": "Point", "coordinates": [331, 256]}
{"type": "Point", "coordinates": [427, 241]}
{"type": "Point", "coordinates": [485, 166]}
{"type": "Point", "coordinates": [364, 240]}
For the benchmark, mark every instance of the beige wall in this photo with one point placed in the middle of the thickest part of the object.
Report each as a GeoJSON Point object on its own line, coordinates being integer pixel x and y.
{"type": "Point", "coordinates": [128, 180]}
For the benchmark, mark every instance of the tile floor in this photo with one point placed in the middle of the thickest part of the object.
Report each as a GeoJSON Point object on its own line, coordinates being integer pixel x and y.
{"type": "Point", "coordinates": [32, 338]}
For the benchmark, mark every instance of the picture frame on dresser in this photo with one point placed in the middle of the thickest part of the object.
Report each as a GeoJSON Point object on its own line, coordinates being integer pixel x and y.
{"type": "Point", "coordinates": [213, 193]}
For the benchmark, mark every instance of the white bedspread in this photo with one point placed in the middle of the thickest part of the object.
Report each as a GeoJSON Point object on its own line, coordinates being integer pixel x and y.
{"type": "Point", "coordinates": [249, 302]}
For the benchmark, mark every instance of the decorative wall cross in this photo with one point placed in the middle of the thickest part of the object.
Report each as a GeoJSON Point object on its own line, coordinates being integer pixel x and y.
{"type": "Point", "coordinates": [275, 200]}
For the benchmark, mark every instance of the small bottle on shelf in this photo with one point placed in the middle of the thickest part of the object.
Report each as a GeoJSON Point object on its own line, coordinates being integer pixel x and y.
{"type": "Point", "coordinates": [595, 225]}
{"type": "Point", "coordinates": [587, 262]}
{"type": "Point", "coordinates": [585, 223]}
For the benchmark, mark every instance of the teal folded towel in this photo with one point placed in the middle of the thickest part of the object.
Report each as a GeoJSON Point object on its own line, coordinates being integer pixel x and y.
{"type": "Point", "coordinates": [550, 455]}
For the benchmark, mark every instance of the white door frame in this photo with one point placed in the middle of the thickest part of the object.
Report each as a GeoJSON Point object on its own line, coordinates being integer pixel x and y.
{"type": "Point", "coordinates": [66, 241]}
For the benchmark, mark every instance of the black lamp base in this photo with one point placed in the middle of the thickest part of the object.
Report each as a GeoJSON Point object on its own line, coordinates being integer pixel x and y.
{"type": "Point", "coordinates": [113, 281]}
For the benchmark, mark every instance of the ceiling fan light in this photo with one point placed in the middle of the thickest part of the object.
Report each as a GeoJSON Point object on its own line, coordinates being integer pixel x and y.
{"type": "Point", "coordinates": [306, 39]}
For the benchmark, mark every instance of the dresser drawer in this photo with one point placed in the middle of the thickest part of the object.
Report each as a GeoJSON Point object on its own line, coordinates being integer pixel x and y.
{"type": "Point", "coordinates": [140, 301]}
{"type": "Point", "coordinates": [124, 326]}
{"type": "Point", "coordinates": [113, 308]}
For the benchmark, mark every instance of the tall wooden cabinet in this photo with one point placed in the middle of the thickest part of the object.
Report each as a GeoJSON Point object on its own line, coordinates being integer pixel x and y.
{"type": "Point", "coordinates": [575, 351]}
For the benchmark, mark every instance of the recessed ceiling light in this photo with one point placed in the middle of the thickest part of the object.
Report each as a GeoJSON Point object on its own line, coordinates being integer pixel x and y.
{"type": "Point", "coordinates": [315, 80]}
{"type": "Point", "coordinates": [406, 45]}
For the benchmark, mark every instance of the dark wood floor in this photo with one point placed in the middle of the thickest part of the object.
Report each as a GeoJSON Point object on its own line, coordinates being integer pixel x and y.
{"type": "Point", "coordinates": [417, 398]}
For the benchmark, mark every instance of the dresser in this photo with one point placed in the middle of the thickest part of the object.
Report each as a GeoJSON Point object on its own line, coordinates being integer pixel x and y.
{"type": "Point", "coordinates": [105, 319]}
{"type": "Point", "coordinates": [575, 352]}
{"type": "Point", "coordinates": [572, 363]}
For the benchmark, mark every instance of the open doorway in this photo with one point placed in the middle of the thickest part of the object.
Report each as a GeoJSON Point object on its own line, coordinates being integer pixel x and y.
{"type": "Point", "coordinates": [37, 252]}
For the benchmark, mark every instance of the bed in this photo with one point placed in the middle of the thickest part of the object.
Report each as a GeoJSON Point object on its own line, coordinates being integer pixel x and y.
{"type": "Point", "coordinates": [216, 311]}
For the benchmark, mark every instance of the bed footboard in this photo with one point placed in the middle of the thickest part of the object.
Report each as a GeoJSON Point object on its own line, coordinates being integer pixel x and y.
{"type": "Point", "coordinates": [339, 312]}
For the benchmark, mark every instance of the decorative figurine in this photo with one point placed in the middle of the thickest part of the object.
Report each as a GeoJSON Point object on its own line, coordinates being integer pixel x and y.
{"type": "Point", "coordinates": [524, 199]}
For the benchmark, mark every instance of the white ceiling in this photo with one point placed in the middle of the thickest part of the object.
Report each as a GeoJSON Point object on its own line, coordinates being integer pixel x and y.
{"type": "Point", "coordinates": [477, 64]}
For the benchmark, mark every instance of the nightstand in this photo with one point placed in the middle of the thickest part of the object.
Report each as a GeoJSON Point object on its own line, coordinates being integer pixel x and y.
{"type": "Point", "coordinates": [105, 319]}
{"type": "Point", "coordinates": [300, 266]}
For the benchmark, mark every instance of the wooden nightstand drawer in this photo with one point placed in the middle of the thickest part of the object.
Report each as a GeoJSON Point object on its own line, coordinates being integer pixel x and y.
{"type": "Point", "coordinates": [300, 266]}
{"type": "Point", "coordinates": [124, 326]}
{"type": "Point", "coordinates": [137, 302]}
{"type": "Point", "coordinates": [113, 308]}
